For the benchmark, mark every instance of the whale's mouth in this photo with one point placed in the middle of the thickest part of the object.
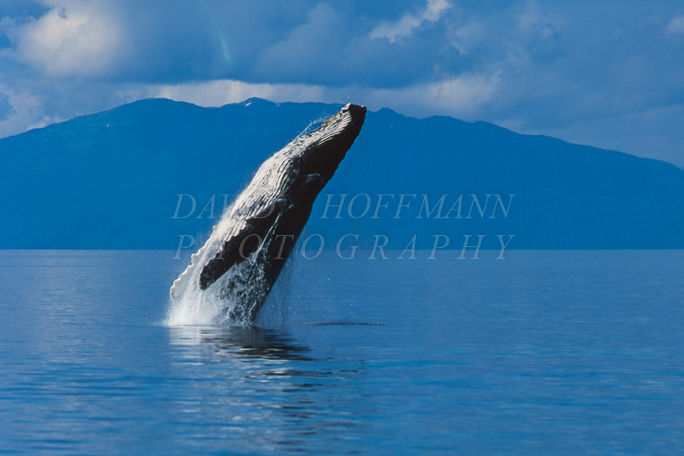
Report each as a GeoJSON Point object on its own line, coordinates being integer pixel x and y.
{"type": "Point", "coordinates": [352, 110]}
{"type": "Point", "coordinates": [277, 203]}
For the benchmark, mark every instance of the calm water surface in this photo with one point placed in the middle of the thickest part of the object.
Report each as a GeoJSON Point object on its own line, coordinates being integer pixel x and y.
{"type": "Point", "coordinates": [574, 352]}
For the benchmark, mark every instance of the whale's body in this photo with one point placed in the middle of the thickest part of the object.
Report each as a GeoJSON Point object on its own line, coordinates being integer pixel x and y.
{"type": "Point", "coordinates": [240, 262]}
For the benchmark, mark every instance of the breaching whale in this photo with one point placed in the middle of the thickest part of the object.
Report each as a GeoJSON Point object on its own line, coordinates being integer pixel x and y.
{"type": "Point", "coordinates": [240, 262]}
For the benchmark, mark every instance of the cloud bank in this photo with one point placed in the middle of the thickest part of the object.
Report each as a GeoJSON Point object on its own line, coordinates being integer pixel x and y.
{"type": "Point", "coordinates": [607, 73]}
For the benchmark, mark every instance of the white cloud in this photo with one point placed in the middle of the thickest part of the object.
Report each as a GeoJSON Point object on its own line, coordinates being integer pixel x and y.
{"type": "Point", "coordinates": [218, 93]}
{"type": "Point", "coordinates": [26, 110]}
{"type": "Point", "coordinates": [676, 25]}
{"type": "Point", "coordinates": [307, 48]}
{"type": "Point", "coordinates": [72, 39]}
{"type": "Point", "coordinates": [461, 96]}
{"type": "Point", "coordinates": [404, 27]}
{"type": "Point", "coordinates": [467, 37]}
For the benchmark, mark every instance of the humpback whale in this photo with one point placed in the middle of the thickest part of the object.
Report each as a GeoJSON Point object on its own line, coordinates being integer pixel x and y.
{"type": "Point", "coordinates": [240, 262]}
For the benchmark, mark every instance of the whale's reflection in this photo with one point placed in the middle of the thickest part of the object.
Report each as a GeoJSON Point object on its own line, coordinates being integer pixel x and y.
{"type": "Point", "coordinates": [242, 342]}
{"type": "Point", "coordinates": [247, 379]}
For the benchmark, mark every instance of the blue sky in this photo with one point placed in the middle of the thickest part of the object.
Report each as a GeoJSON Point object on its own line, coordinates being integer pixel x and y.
{"type": "Point", "coordinates": [604, 73]}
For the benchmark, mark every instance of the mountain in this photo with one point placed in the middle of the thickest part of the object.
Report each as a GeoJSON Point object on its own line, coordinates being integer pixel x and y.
{"type": "Point", "coordinates": [126, 179]}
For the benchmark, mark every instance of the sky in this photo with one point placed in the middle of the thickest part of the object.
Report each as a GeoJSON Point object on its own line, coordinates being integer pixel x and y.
{"type": "Point", "coordinates": [604, 73]}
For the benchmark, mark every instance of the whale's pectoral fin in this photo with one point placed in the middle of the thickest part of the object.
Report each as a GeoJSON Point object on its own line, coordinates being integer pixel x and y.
{"type": "Point", "coordinates": [233, 251]}
{"type": "Point", "coordinates": [239, 247]}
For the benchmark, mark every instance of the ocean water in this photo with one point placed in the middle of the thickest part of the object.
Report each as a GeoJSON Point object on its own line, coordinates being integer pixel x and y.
{"type": "Point", "coordinates": [553, 352]}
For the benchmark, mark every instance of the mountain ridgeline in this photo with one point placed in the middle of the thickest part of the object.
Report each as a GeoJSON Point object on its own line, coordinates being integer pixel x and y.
{"type": "Point", "coordinates": [156, 174]}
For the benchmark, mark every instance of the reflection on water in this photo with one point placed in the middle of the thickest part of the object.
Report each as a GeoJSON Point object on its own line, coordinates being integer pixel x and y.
{"type": "Point", "coordinates": [242, 342]}
{"type": "Point", "coordinates": [265, 389]}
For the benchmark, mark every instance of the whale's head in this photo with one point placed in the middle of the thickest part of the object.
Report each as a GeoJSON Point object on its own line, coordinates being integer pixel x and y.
{"type": "Point", "coordinates": [312, 159]}
{"type": "Point", "coordinates": [332, 140]}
